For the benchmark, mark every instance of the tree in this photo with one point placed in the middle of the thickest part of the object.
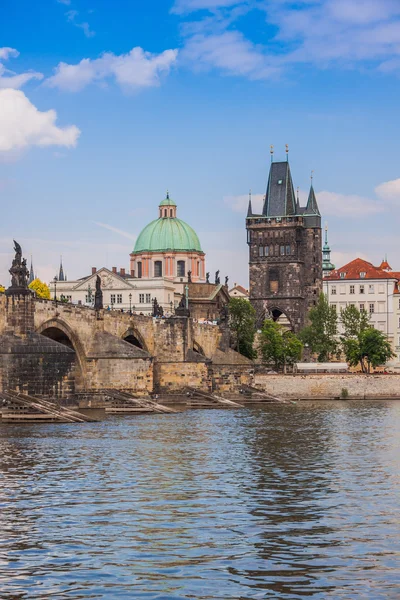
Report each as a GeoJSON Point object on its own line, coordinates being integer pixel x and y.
{"type": "Point", "coordinates": [41, 289]}
{"type": "Point", "coordinates": [321, 334]}
{"type": "Point", "coordinates": [369, 348]}
{"type": "Point", "coordinates": [354, 321]}
{"type": "Point", "coordinates": [242, 324]}
{"type": "Point", "coordinates": [278, 345]}
{"type": "Point", "coordinates": [2, 289]}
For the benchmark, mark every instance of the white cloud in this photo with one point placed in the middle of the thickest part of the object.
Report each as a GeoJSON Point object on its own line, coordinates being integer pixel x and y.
{"type": "Point", "coordinates": [9, 79]}
{"type": "Point", "coordinates": [134, 70]}
{"type": "Point", "coordinates": [71, 18]}
{"type": "Point", "coordinates": [6, 53]}
{"type": "Point", "coordinates": [23, 125]}
{"type": "Point", "coordinates": [389, 190]}
{"type": "Point", "coordinates": [116, 230]}
{"type": "Point", "coordinates": [240, 203]}
{"type": "Point", "coordinates": [230, 52]}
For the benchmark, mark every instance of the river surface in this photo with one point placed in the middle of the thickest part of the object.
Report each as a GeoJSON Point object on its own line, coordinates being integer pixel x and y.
{"type": "Point", "coordinates": [282, 501]}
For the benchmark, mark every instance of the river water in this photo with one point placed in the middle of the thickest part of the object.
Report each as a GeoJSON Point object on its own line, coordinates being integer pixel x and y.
{"type": "Point", "coordinates": [282, 501]}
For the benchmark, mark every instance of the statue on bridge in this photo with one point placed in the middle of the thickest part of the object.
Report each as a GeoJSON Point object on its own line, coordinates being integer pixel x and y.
{"type": "Point", "coordinates": [217, 279]}
{"type": "Point", "coordinates": [98, 296]}
{"type": "Point", "coordinates": [19, 273]}
{"type": "Point", "coordinates": [208, 277]}
{"type": "Point", "coordinates": [189, 276]}
{"type": "Point", "coordinates": [158, 310]}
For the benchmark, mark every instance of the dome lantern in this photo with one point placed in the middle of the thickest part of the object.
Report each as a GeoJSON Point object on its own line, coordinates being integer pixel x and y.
{"type": "Point", "coordinates": [167, 208]}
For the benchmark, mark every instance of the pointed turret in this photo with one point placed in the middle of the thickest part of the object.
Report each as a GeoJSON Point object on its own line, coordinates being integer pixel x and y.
{"type": "Point", "coordinates": [250, 208]}
{"type": "Point", "coordinates": [31, 273]}
{"type": "Point", "coordinates": [327, 266]}
{"type": "Point", "coordinates": [312, 205]}
{"type": "Point", "coordinates": [280, 200]}
{"type": "Point", "coordinates": [61, 272]}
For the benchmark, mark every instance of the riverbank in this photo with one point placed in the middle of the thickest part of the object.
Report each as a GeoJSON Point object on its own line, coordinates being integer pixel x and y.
{"type": "Point", "coordinates": [330, 386]}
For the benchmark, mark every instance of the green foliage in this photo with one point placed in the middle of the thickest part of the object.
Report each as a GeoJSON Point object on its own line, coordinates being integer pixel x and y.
{"type": "Point", "coordinates": [369, 348]}
{"type": "Point", "coordinates": [242, 324]}
{"type": "Point", "coordinates": [344, 394]}
{"type": "Point", "coordinates": [354, 321]}
{"type": "Point", "coordinates": [320, 335]}
{"type": "Point", "coordinates": [41, 289]}
{"type": "Point", "coordinates": [278, 345]}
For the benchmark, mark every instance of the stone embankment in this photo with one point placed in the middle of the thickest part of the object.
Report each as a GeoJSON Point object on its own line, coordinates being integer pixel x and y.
{"type": "Point", "coordinates": [329, 386]}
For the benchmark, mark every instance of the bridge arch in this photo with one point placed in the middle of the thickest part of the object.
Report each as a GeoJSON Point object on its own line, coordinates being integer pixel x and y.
{"type": "Point", "coordinates": [59, 331]}
{"type": "Point", "coordinates": [132, 336]}
{"type": "Point", "coordinates": [198, 349]}
{"type": "Point", "coordinates": [281, 317]}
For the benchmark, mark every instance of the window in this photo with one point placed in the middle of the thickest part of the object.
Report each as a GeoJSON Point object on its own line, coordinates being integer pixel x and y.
{"type": "Point", "coordinates": [362, 274]}
{"type": "Point", "coordinates": [266, 251]}
{"type": "Point", "coordinates": [361, 289]}
{"type": "Point", "coordinates": [333, 290]}
{"type": "Point", "coordinates": [352, 289]}
{"type": "Point", "coordinates": [280, 181]}
{"type": "Point", "coordinates": [288, 250]}
{"type": "Point", "coordinates": [399, 303]}
{"type": "Point", "coordinates": [362, 306]}
{"type": "Point", "coordinates": [158, 268]}
{"type": "Point", "coordinates": [181, 268]}
{"type": "Point", "coordinates": [372, 308]}
{"type": "Point", "coordinates": [112, 298]}
{"type": "Point", "coordinates": [119, 298]}
{"type": "Point", "coordinates": [276, 250]}
{"type": "Point", "coordinates": [171, 214]}
{"type": "Point", "coordinates": [282, 250]}
{"type": "Point", "coordinates": [334, 306]}
{"type": "Point", "coordinates": [399, 322]}
{"type": "Point", "coordinates": [260, 250]}
{"type": "Point", "coordinates": [198, 268]}
{"type": "Point", "coordinates": [148, 298]}
{"type": "Point", "coordinates": [342, 275]}
{"type": "Point", "coordinates": [371, 289]}
{"type": "Point", "coordinates": [139, 270]}
{"type": "Point", "coordinates": [141, 298]}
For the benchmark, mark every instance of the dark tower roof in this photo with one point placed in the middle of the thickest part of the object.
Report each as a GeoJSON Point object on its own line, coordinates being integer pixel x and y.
{"type": "Point", "coordinates": [61, 272]}
{"type": "Point", "coordinates": [280, 199]}
{"type": "Point", "coordinates": [250, 208]}
{"type": "Point", "coordinates": [31, 273]}
{"type": "Point", "coordinates": [312, 206]}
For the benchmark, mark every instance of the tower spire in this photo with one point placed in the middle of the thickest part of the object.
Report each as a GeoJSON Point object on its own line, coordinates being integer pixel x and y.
{"type": "Point", "coordinates": [312, 205]}
{"type": "Point", "coordinates": [287, 152]}
{"type": "Point", "coordinates": [327, 266]}
{"type": "Point", "coordinates": [271, 151]}
{"type": "Point", "coordinates": [61, 272]}
{"type": "Point", "coordinates": [31, 273]}
{"type": "Point", "coordinates": [250, 208]}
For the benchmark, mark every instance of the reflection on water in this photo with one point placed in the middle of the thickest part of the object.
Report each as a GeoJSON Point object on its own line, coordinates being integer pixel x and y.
{"type": "Point", "coordinates": [272, 502]}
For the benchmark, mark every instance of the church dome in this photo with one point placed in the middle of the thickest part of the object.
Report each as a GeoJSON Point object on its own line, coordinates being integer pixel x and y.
{"type": "Point", "coordinates": [167, 233]}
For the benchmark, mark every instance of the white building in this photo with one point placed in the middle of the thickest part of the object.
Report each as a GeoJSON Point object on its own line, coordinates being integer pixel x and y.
{"type": "Point", "coordinates": [238, 291]}
{"type": "Point", "coordinates": [367, 288]}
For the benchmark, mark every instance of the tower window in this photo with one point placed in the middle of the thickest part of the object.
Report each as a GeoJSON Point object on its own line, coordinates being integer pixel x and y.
{"type": "Point", "coordinates": [139, 270]}
{"type": "Point", "coordinates": [158, 268]}
{"type": "Point", "coordinates": [165, 212]}
{"type": "Point", "coordinates": [288, 250]}
{"type": "Point", "coordinates": [181, 268]}
{"type": "Point", "coordinates": [280, 181]}
{"type": "Point", "coordinates": [171, 212]}
{"type": "Point", "coordinates": [282, 250]}
{"type": "Point", "coordinates": [261, 251]}
{"type": "Point", "coordinates": [266, 251]}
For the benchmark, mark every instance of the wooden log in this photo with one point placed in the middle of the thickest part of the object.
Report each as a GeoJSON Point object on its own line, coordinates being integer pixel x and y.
{"type": "Point", "coordinates": [216, 399]}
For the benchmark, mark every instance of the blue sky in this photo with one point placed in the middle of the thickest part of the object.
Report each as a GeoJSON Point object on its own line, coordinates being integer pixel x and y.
{"type": "Point", "coordinates": [105, 105]}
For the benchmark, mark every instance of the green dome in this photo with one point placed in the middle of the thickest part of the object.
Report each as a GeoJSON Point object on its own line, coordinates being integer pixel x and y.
{"type": "Point", "coordinates": [167, 234]}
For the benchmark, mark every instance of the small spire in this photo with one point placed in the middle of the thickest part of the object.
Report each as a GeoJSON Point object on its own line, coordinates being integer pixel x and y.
{"type": "Point", "coordinates": [312, 176]}
{"type": "Point", "coordinates": [271, 151]}
{"type": "Point", "coordinates": [167, 196]}
{"type": "Point", "coordinates": [31, 274]}
{"type": "Point", "coordinates": [250, 208]}
{"type": "Point", "coordinates": [61, 272]}
{"type": "Point", "coordinates": [287, 152]}
{"type": "Point", "coordinates": [326, 233]}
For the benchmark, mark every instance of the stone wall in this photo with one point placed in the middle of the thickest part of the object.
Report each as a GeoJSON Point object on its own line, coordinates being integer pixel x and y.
{"type": "Point", "coordinates": [329, 386]}
{"type": "Point", "coordinates": [230, 378]}
{"type": "Point", "coordinates": [176, 376]}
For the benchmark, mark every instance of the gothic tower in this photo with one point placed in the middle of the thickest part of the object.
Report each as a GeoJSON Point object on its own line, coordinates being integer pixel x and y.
{"type": "Point", "coordinates": [285, 252]}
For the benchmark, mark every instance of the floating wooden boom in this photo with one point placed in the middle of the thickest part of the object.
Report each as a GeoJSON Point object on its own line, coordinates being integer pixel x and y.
{"type": "Point", "coordinates": [269, 397]}
{"type": "Point", "coordinates": [145, 403]}
{"type": "Point", "coordinates": [216, 399]}
{"type": "Point", "coordinates": [59, 413]}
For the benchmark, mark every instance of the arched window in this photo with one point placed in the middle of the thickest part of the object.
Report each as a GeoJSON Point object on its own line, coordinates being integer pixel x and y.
{"type": "Point", "coordinates": [139, 270]}
{"type": "Point", "coordinates": [181, 268]}
{"type": "Point", "coordinates": [171, 212]}
{"type": "Point", "coordinates": [198, 268]}
{"type": "Point", "coordinates": [158, 268]}
{"type": "Point", "coordinates": [165, 212]}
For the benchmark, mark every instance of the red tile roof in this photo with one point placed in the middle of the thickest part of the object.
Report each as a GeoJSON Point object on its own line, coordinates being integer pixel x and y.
{"type": "Point", "coordinates": [241, 289]}
{"type": "Point", "coordinates": [353, 269]}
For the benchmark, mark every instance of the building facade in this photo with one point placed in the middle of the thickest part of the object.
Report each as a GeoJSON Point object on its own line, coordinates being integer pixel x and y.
{"type": "Point", "coordinates": [369, 288]}
{"type": "Point", "coordinates": [285, 252]}
{"type": "Point", "coordinates": [166, 259]}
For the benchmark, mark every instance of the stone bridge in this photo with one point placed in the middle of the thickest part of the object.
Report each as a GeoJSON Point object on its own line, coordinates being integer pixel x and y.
{"type": "Point", "coordinates": [114, 349]}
